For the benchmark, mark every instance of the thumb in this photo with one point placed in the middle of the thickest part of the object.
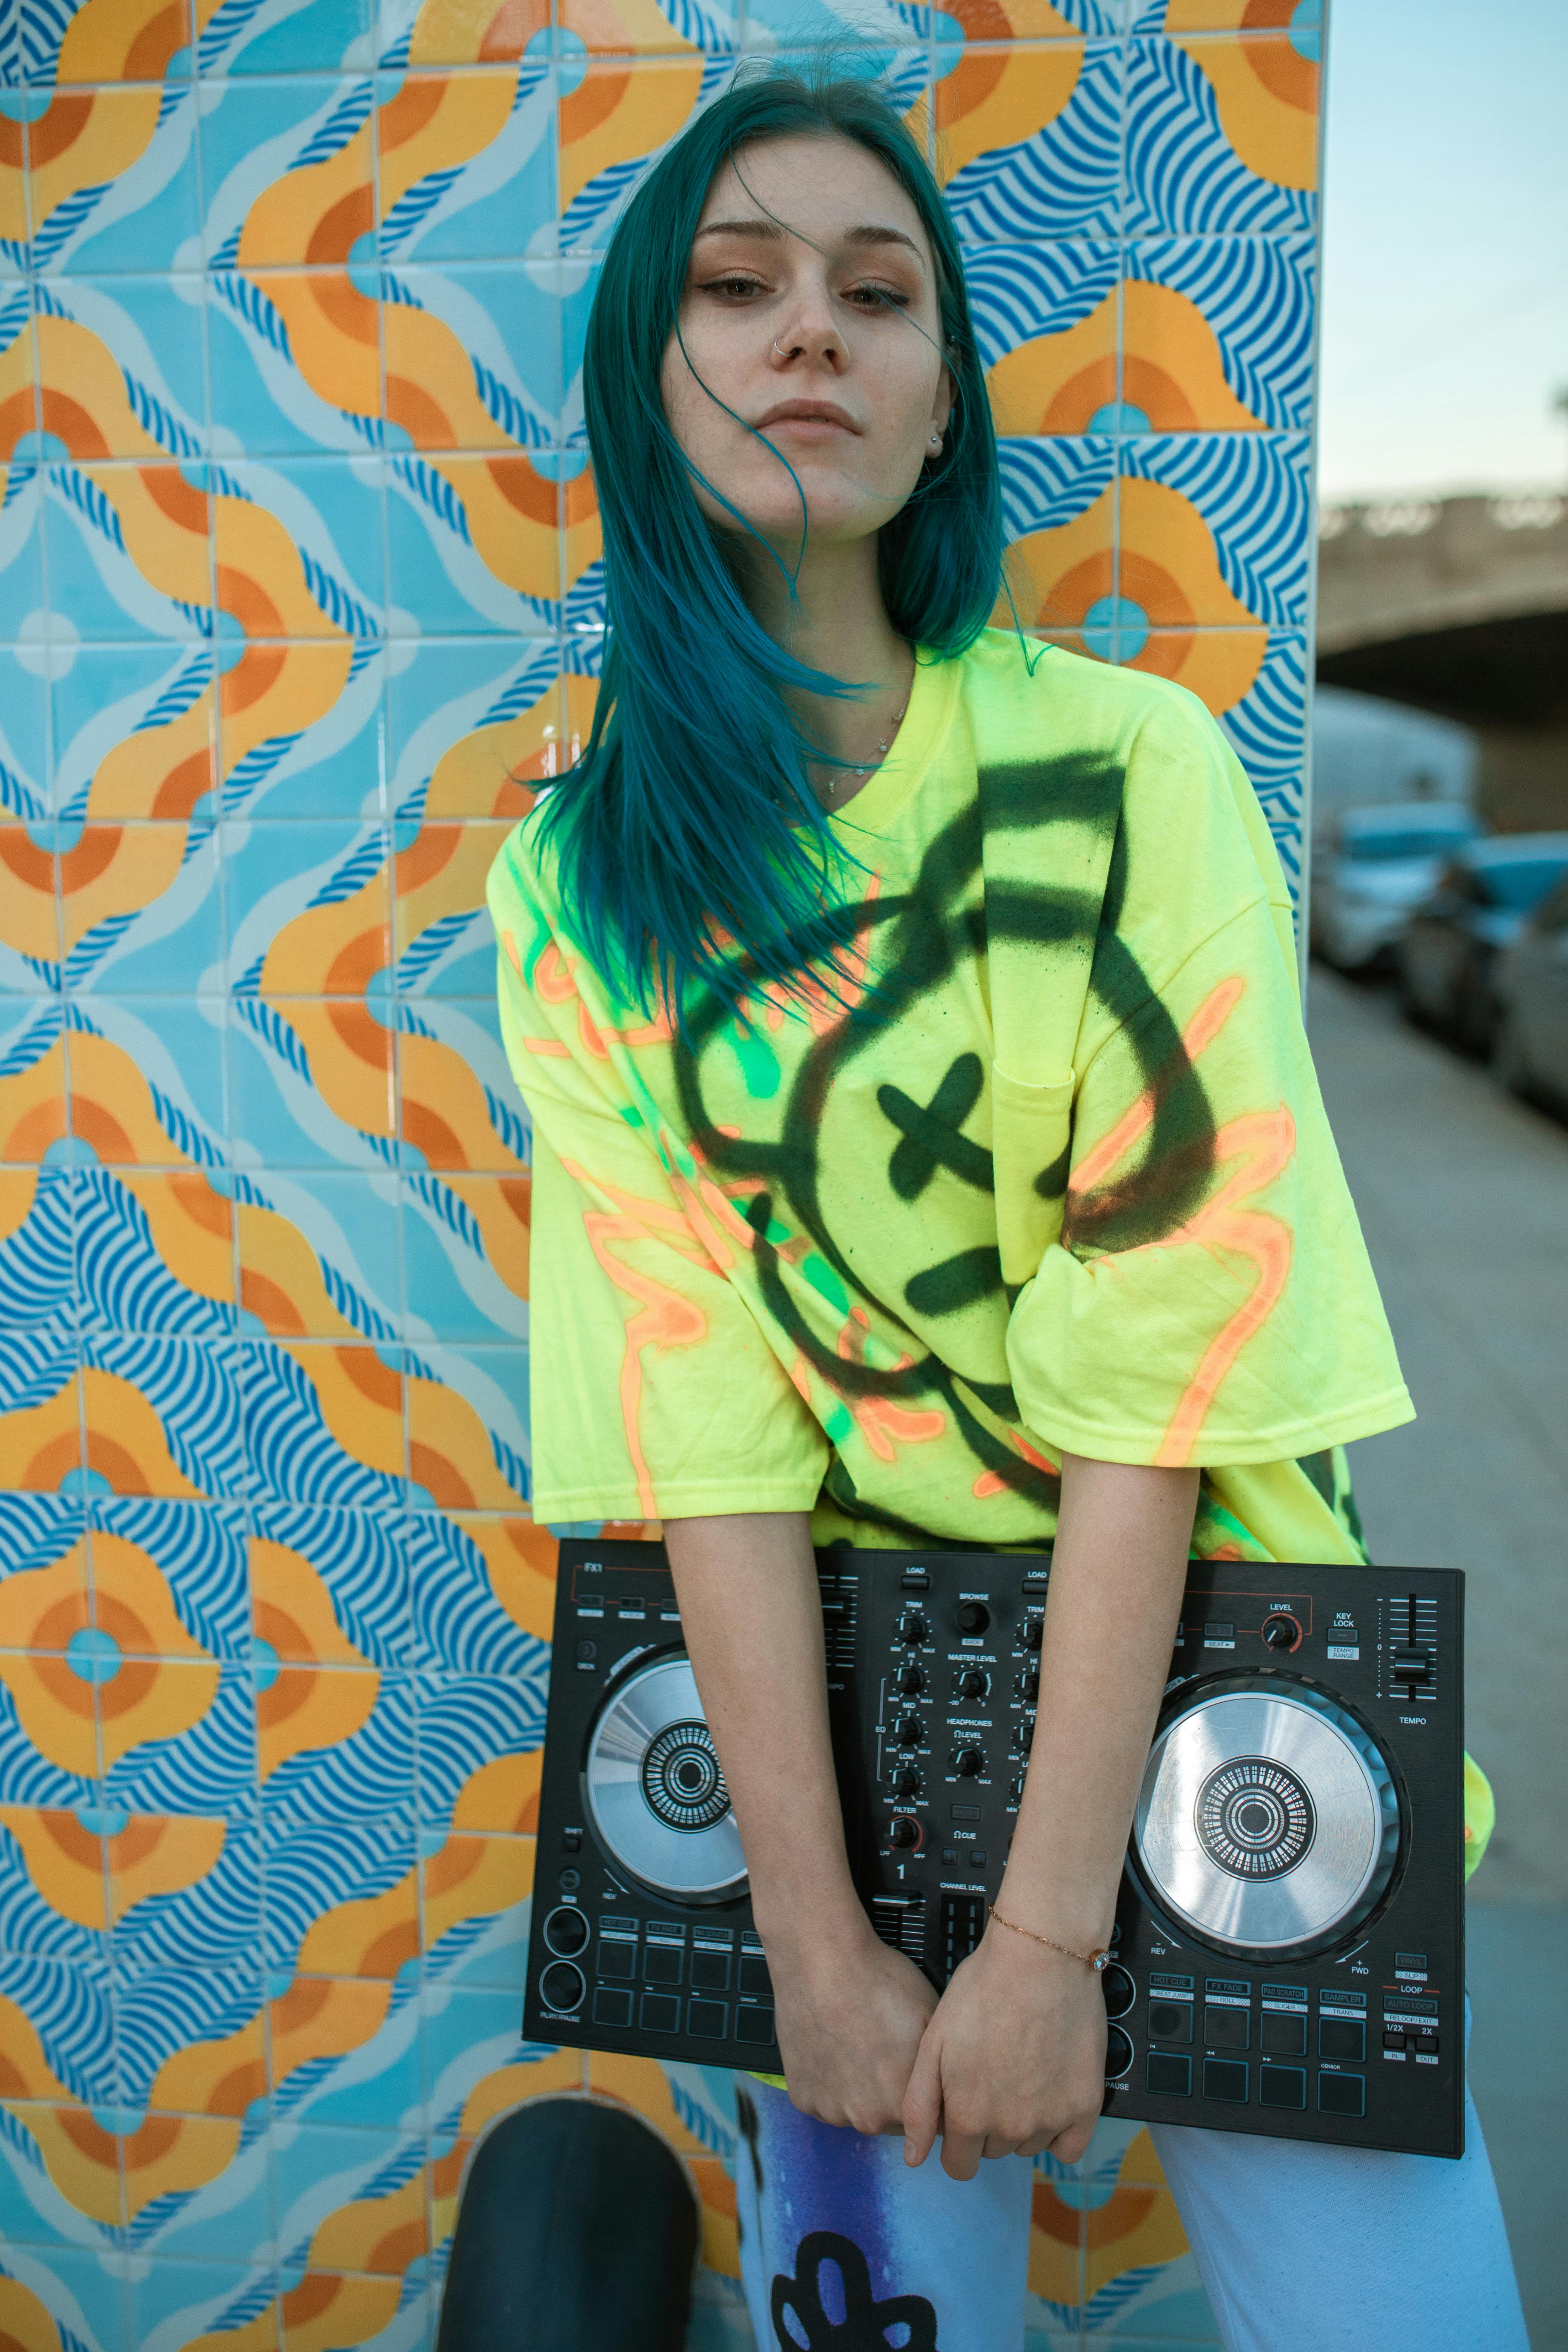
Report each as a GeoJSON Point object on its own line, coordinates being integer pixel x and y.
{"type": "Point", "coordinates": [922, 2100]}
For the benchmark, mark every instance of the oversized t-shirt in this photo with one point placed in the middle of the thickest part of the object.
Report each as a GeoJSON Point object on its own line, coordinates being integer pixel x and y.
{"type": "Point", "coordinates": [1047, 1167]}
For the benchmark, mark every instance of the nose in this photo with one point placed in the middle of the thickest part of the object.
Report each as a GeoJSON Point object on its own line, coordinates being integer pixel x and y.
{"type": "Point", "coordinates": [812, 334]}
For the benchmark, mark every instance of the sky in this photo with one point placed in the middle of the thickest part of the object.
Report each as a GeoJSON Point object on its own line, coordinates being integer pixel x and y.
{"type": "Point", "coordinates": [1445, 319]}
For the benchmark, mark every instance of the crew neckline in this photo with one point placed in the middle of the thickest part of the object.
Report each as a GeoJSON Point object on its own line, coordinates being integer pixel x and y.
{"type": "Point", "coordinates": [934, 696]}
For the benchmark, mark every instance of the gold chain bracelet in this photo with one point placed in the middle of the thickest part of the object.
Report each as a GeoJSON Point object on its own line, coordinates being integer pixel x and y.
{"type": "Point", "coordinates": [1095, 1960]}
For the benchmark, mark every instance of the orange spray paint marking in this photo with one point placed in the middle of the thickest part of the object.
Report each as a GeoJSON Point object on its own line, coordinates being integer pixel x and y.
{"type": "Point", "coordinates": [1266, 1141]}
{"type": "Point", "coordinates": [1201, 1031]}
{"type": "Point", "coordinates": [991, 1482]}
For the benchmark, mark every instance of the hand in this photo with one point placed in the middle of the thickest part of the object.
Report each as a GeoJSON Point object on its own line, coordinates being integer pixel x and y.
{"type": "Point", "coordinates": [1012, 2063]}
{"type": "Point", "coordinates": [849, 2025]}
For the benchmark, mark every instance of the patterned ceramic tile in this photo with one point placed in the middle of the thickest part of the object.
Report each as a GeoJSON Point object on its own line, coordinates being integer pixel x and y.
{"type": "Point", "coordinates": [1222, 137]}
{"type": "Point", "coordinates": [1029, 141]}
{"type": "Point", "coordinates": [299, 597]}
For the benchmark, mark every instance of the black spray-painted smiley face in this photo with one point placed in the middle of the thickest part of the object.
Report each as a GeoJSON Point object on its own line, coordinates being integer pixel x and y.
{"type": "Point", "coordinates": [908, 1229]}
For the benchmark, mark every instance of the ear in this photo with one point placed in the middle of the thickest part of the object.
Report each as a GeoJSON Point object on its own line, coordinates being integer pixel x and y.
{"type": "Point", "coordinates": [942, 407]}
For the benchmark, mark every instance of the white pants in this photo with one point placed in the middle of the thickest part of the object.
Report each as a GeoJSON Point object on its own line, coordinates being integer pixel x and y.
{"type": "Point", "coordinates": [1300, 2248]}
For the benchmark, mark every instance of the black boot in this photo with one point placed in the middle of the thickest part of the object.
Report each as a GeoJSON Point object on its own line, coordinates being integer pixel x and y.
{"type": "Point", "coordinates": [577, 2233]}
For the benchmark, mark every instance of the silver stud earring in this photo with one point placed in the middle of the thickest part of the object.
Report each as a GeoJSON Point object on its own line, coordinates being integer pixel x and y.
{"type": "Point", "coordinates": [935, 440]}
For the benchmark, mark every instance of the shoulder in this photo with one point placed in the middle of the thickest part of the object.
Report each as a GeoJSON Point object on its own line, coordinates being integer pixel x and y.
{"type": "Point", "coordinates": [522, 890]}
{"type": "Point", "coordinates": [1070, 697]}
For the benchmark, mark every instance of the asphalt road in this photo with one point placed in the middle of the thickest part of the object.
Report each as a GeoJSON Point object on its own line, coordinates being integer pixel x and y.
{"type": "Point", "coordinates": [1463, 1195]}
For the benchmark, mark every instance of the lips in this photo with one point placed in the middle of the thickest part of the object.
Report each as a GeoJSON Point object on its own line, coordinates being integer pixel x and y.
{"type": "Point", "coordinates": [808, 412]}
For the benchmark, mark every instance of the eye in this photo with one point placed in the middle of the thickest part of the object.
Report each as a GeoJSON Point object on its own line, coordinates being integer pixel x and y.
{"type": "Point", "coordinates": [733, 286]}
{"type": "Point", "coordinates": [877, 297]}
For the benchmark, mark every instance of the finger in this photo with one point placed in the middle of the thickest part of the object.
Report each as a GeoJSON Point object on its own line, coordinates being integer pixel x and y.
{"type": "Point", "coordinates": [996, 2146]}
{"type": "Point", "coordinates": [1070, 2145]}
{"type": "Point", "coordinates": [1037, 2145]}
{"type": "Point", "coordinates": [922, 2101]}
{"type": "Point", "coordinates": [960, 2154]}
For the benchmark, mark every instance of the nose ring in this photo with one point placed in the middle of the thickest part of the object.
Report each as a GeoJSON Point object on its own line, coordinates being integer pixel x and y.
{"type": "Point", "coordinates": [782, 353]}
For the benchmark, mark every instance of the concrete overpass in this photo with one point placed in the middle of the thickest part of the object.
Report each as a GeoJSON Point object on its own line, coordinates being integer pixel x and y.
{"type": "Point", "coordinates": [1460, 606]}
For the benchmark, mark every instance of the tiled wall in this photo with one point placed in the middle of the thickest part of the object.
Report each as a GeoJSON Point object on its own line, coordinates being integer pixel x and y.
{"type": "Point", "coordinates": [298, 589]}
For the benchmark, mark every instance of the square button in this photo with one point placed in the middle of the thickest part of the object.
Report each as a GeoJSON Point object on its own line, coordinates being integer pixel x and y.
{"type": "Point", "coordinates": [1225, 2029]}
{"type": "Point", "coordinates": [754, 1976]}
{"type": "Point", "coordinates": [1170, 2021]}
{"type": "Point", "coordinates": [1394, 2037]}
{"type": "Point", "coordinates": [1168, 2074]}
{"type": "Point", "coordinates": [710, 2019]}
{"type": "Point", "coordinates": [1282, 2037]}
{"type": "Point", "coordinates": [1282, 2086]}
{"type": "Point", "coordinates": [612, 2006]}
{"type": "Point", "coordinates": [617, 1959]}
{"type": "Point", "coordinates": [661, 1964]}
{"type": "Point", "coordinates": [1341, 2094]}
{"type": "Point", "coordinates": [1226, 2078]}
{"type": "Point", "coordinates": [1343, 2038]}
{"type": "Point", "coordinates": [1427, 2044]}
{"type": "Point", "coordinates": [710, 1971]}
{"type": "Point", "coordinates": [754, 2025]}
{"type": "Point", "coordinates": [660, 2013]}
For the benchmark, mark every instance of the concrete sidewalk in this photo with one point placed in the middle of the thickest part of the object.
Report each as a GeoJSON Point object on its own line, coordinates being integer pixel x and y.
{"type": "Point", "coordinates": [1463, 1197]}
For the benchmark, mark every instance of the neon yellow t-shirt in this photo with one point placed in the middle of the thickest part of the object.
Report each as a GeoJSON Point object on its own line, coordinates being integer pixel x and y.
{"type": "Point", "coordinates": [1065, 1182]}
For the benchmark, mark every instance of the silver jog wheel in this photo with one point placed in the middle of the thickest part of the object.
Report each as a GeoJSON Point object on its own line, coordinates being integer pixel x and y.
{"type": "Point", "coordinates": [656, 1792]}
{"type": "Point", "coordinates": [1268, 1820]}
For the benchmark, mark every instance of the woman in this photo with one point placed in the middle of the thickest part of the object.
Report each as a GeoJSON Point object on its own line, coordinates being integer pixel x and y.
{"type": "Point", "coordinates": [927, 1151]}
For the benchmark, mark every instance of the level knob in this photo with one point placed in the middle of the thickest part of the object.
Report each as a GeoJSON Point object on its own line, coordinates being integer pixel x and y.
{"type": "Point", "coordinates": [903, 1831]}
{"type": "Point", "coordinates": [972, 1617]}
{"type": "Point", "coordinates": [911, 1629]}
{"type": "Point", "coordinates": [970, 1763]}
{"type": "Point", "coordinates": [974, 1683]}
{"type": "Point", "coordinates": [909, 1731]}
{"type": "Point", "coordinates": [906, 1781]}
{"type": "Point", "coordinates": [911, 1679]}
{"type": "Point", "coordinates": [1281, 1632]}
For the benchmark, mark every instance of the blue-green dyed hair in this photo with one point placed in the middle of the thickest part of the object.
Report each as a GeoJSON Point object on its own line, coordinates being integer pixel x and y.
{"type": "Point", "coordinates": [691, 846]}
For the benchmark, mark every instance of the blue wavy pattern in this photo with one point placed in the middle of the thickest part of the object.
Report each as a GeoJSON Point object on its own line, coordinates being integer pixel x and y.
{"type": "Point", "coordinates": [124, 1284]}
{"type": "Point", "coordinates": [457, 1621]}
{"type": "Point", "coordinates": [213, 1926]}
{"type": "Point", "coordinates": [1048, 483]}
{"type": "Point", "coordinates": [1019, 291]}
{"type": "Point", "coordinates": [36, 1529]}
{"type": "Point", "coordinates": [207, 1770]}
{"type": "Point", "coordinates": [1064, 182]}
{"type": "Point", "coordinates": [367, 1777]}
{"type": "Point", "coordinates": [1254, 491]}
{"type": "Point", "coordinates": [362, 1557]}
{"type": "Point", "coordinates": [1260, 295]}
{"type": "Point", "coordinates": [292, 1454]}
{"type": "Point", "coordinates": [313, 1867]}
{"type": "Point", "coordinates": [469, 1720]}
{"type": "Point", "coordinates": [190, 1389]}
{"type": "Point", "coordinates": [1183, 174]}
{"type": "Point", "coordinates": [36, 1273]}
{"type": "Point", "coordinates": [69, 2005]}
{"type": "Point", "coordinates": [199, 1551]}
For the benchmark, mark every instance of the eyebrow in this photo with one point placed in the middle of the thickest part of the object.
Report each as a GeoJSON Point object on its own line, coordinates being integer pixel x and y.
{"type": "Point", "coordinates": [774, 232]}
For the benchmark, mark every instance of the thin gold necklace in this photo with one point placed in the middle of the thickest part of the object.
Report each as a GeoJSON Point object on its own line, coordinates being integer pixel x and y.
{"type": "Point", "coordinates": [867, 767]}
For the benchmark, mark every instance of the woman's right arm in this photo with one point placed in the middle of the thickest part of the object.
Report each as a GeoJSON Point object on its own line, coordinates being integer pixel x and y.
{"type": "Point", "coordinates": [850, 2012]}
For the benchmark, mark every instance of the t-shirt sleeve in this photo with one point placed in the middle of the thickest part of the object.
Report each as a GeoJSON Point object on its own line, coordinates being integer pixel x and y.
{"type": "Point", "coordinates": [1209, 1299]}
{"type": "Point", "coordinates": [653, 1392]}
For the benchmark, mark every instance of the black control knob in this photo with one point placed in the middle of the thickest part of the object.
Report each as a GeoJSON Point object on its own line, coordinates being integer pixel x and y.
{"type": "Point", "coordinates": [972, 1617]}
{"type": "Point", "coordinates": [970, 1763]}
{"type": "Point", "coordinates": [909, 1732]}
{"type": "Point", "coordinates": [562, 1988]}
{"type": "Point", "coordinates": [901, 1831]}
{"type": "Point", "coordinates": [974, 1683]}
{"type": "Point", "coordinates": [1024, 1736]}
{"type": "Point", "coordinates": [1118, 2053]}
{"type": "Point", "coordinates": [1281, 1632]}
{"type": "Point", "coordinates": [906, 1781]}
{"type": "Point", "coordinates": [913, 1629]}
{"type": "Point", "coordinates": [566, 1931]}
{"type": "Point", "coordinates": [1119, 1990]}
{"type": "Point", "coordinates": [911, 1679]}
{"type": "Point", "coordinates": [1033, 1630]}
{"type": "Point", "coordinates": [1016, 1792]}
{"type": "Point", "coordinates": [1029, 1684]}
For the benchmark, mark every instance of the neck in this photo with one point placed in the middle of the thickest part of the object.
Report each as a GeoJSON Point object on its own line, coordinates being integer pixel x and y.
{"type": "Point", "coordinates": [836, 622]}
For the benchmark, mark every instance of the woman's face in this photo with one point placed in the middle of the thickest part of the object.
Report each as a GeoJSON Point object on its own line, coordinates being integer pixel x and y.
{"type": "Point", "coordinates": [810, 311]}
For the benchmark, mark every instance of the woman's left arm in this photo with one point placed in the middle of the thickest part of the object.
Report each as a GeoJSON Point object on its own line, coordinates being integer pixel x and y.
{"type": "Point", "coordinates": [1014, 2058]}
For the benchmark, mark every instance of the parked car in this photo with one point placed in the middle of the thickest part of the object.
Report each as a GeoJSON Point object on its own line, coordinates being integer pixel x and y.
{"type": "Point", "coordinates": [1530, 1053]}
{"type": "Point", "coordinates": [1372, 867]}
{"type": "Point", "coordinates": [1447, 958]}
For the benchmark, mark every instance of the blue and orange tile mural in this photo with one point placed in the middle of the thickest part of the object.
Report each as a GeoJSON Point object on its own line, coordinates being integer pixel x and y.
{"type": "Point", "coordinates": [299, 597]}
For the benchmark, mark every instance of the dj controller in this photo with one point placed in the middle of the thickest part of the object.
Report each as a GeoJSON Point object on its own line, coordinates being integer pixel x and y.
{"type": "Point", "coordinates": [1287, 1952]}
